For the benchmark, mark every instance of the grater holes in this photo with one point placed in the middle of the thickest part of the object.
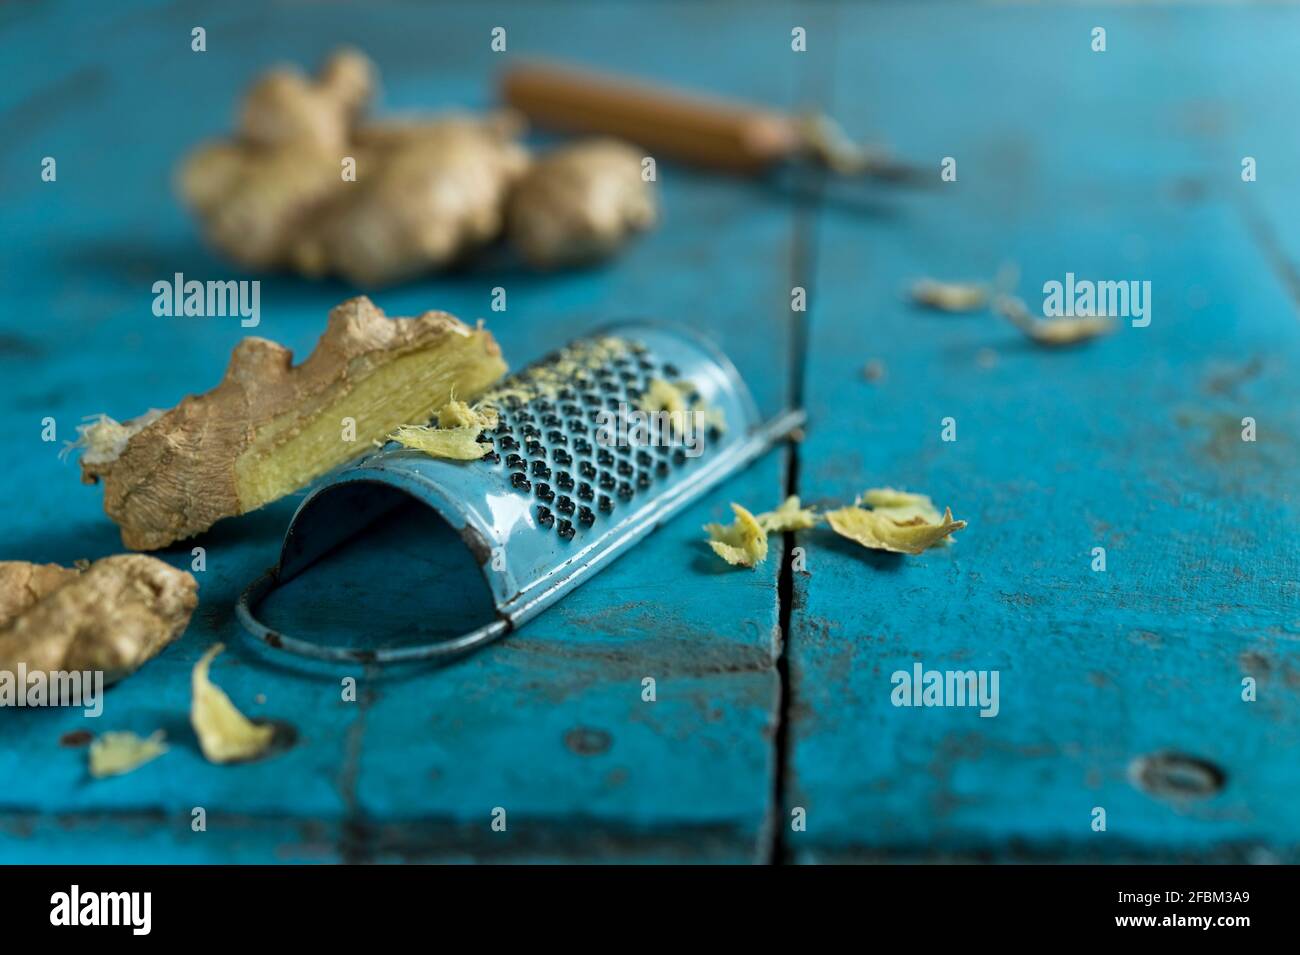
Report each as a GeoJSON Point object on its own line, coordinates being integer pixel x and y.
{"type": "Point", "coordinates": [571, 476]}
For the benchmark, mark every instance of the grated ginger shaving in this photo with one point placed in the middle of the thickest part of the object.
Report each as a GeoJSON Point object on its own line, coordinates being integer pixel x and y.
{"type": "Point", "coordinates": [950, 296]}
{"type": "Point", "coordinates": [901, 524]}
{"type": "Point", "coordinates": [788, 517]}
{"type": "Point", "coordinates": [455, 438]}
{"type": "Point", "coordinates": [225, 734]}
{"type": "Point", "coordinates": [113, 754]}
{"type": "Point", "coordinates": [743, 543]}
{"type": "Point", "coordinates": [1053, 332]}
{"type": "Point", "coordinates": [457, 414]}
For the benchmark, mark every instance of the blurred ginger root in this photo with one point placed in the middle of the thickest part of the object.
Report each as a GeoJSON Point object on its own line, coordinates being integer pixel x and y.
{"type": "Point", "coordinates": [580, 203]}
{"type": "Point", "coordinates": [305, 184]}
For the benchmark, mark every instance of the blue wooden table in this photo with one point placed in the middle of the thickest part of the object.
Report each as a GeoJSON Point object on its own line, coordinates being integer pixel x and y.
{"type": "Point", "coordinates": [773, 735]}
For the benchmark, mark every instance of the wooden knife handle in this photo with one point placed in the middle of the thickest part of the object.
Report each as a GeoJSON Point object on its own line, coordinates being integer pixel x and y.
{"type": "Point", "coordinates": [714, 133]}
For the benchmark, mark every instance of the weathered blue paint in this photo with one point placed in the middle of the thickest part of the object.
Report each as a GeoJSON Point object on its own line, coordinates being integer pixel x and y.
{"type": "Point", "coordinates": [1122, 165]}
{"type": "Point", "coordinates": [550, 724]}
{"type": "Point", "coordinates": [1115, 165]}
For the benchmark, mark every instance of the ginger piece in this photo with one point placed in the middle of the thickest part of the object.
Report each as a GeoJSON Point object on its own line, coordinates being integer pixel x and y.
{"type": "Point", "coordinates": [255, 194]}
{"type": "Point", "coordinates": [284, 107]}
{"type": "Point", "coordinates": [879, 530]}
{"type": "Point", "coordinates": [113, 617]}
{"type": "Point", "coordinates": [426, 194]}
{"type": "Point", "coordinates": [114, 754]}
{"type": "Point", "coordinates": [225, 734]}
{"type": "Point", "coordinates": [742, 543]}
{"type": "Point", "coordinates": [788, 517]}
{"type": "Point", "coordinates": [275, 195]}
{"type": "Point", "coordinates": [23, 585]}
{"type": "Point", "coordinates": [950, 296]}
{"type": "Point", "coordinates": [1052, 332]}
{"type": "Point", "coordinates": [270, 428]}
{"type": "Point", "coordinates": [902, 506]}
{"type": "Point", "coordinates": [580, 203]}
{"type": "Point", "coordinates": [455, 444]}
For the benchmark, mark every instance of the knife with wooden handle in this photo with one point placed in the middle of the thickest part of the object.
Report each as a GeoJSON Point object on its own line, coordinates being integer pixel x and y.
{"type": "Point", "coordinates": [714, 133]}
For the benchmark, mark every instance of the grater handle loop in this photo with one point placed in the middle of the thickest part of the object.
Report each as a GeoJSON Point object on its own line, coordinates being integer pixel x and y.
{"type": "Point", "coordinates": [442, 650]}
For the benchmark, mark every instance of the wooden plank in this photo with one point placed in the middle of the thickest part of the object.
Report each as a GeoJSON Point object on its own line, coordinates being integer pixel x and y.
{"type": "Point", "coordinates": [549, 724]}
{"type": "Point", "coordinates": [1068, 161]}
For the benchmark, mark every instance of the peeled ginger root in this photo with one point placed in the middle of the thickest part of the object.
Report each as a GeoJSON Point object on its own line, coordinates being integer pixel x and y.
{"type": "Point", "coordinates": [270, 428]}
{"type": "Point", "coordinates": [113, 616]}
{"type": "Point", "coordinates": [580, 203]}
{"type": "Point", "coordinates": [304, 184]}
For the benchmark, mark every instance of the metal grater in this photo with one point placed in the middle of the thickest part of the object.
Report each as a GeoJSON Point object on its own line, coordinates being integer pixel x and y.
{"type": "Point", "coordinates": [553, 502]}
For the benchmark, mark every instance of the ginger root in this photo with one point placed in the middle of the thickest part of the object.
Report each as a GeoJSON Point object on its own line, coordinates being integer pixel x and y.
{"type": "Point", "coordinates": [114, 616]}
{"type": "Point", "coordinates": [580, 203]}
{"type": "Point", "coordinates": [270, 428]}
{"type": "Point", "coordinates": [279, 194]}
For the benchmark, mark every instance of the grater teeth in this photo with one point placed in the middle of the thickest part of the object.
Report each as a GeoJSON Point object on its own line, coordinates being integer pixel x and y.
{"type": "Point", "coordinates": [546, 444]}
